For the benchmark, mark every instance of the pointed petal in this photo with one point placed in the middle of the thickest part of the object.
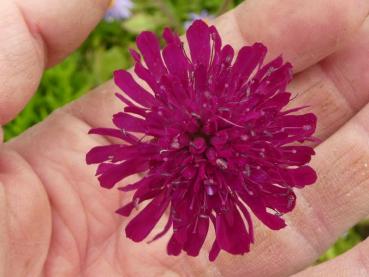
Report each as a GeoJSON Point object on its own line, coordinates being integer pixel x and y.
{"type": "Point", "coordinates": [214, 251]}
{"type": "Point", "coordinates": [231, 232]}
{"type": "Point", "coordinates": [175, 61]}
{"type": "Point", "coordinates": [297, 155]}
{"type": "Point", "coordinates": [164, 231]}
{"type": "Point", "coordinates": [124, 80]}
{"type": "Point", "coordinates": [120, 171]}
{"type": "Point", "coordinates": [110, 132]}
{"type": "Point", "coordinates": [249, 57]}
{"type": "Point", "coordinates": [274, 222]}
{"type": "Point", "coordinates": [142, 224]}
{"type": "Point", "coordinates": [299, 177]}
{"type": "Point", "coordinates": [196, 236]}
{"type": "Point", "coordinates": [101, 154]}
{"type": "Point", "coordinates": [174, 248]}
{"type": "Point", "coordinates": [126, 210]}
{"type": "Point", "coordinates": [149, 46]}
{"type": "Point", "coordinates": [171, 37]}
{"type": "Point", "coordinates": [198, 37]}
{"type": "Point", "coordinates": [129, 123]}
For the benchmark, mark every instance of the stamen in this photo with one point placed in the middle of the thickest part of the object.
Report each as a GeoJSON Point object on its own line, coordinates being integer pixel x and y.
{"type": "Point", "coordinates": [221, 163]}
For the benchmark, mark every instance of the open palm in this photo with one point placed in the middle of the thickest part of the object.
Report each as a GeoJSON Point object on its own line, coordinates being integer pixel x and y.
{"type": "Point", "coordinates": [57, 221]}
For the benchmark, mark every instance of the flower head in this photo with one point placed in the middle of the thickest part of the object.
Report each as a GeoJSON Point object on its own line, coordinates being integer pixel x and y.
{"type": "Point", "coordinates": [118, 10]}
{"type": "Point", "coordinates": [213, 140]}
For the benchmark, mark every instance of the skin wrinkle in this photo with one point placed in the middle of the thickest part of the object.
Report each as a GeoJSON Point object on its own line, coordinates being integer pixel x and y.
{"type": "Point", "coordinates": [59, 114]}
{"type": "Point", "coordinates": [117, 236]}
{"type": "Point", "coordinates": [63, 218]}
{"type": "Point", "coordinates": [322, 94]}
{"type": "Point", "coordinates": [116, 219]}
{"type": "Point", "coordinates": [83, 252]}
{"type": "Point", "coordinates": [307, 90]}
{"type": "Point", "coordinates": [71, 260]}
{"type": "Point", "coordinates": [88, 242]}
{"type": "Point", "coordinates": [355, 262]}
{"type": "Point", "coordinates": [363, 258]}
{"type": "Point", "coordinates": [40, 44]}
{"type": "Point", "coordinates": [4, 230]}
{"type": "Point", "coordinates": [310, 211]}
{"type": "Point", "coordinates": [107, 259]}
{"type": "Point", "coordinates": [341, 192]}
{"type": "Point", "coordinates": [89, 264]}
{"type": "Point", "coordinates": [333, 76]}
{"type": "Point", "coordinates": [10, 221]}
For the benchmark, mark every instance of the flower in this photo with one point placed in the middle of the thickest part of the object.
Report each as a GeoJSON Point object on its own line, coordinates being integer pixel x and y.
{"type": "Point", "coordinates": [118, 10]}
{"type": "Point", "coordinates": [213, 140]}
{"type": "Point", "coordinates": [203, 15]}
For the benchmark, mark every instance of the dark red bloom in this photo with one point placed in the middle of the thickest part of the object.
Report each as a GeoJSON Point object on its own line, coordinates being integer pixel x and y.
{"type": "Point", "coordinates": [213, 140]}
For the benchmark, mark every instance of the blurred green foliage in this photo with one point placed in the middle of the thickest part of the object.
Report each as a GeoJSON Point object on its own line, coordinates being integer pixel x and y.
{"type": "Point", "coordinates": [105, 50]}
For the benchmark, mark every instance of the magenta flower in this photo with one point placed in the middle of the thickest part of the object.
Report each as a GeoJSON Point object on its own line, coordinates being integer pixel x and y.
{"type": "Point", "coordinates": [213, 141]}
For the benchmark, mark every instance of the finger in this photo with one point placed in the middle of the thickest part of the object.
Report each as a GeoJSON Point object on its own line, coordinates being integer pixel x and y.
{"type": "Point", "coordinates": [353, 263]}
{"type": "Point", "coordinates": [36, 34]}
{"type": "Point", "coordinates": [257, 20]}
{"type": "Point", "coordinates": [337, 87]}
{"type": "Point", "coordinates": [302, 31]}
{"type": "Point", "coordinates": [61, 26]}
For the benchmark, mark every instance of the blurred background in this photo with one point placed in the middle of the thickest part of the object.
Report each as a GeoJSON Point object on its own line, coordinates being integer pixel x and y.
{"type": "Point", "coordinates": [106, 49]}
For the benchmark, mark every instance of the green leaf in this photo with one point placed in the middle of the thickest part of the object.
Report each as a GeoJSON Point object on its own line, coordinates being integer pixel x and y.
{"type": "Point", "coordinates": [142, 22]}
{"type": "Point", "coordinates": [106, 61]}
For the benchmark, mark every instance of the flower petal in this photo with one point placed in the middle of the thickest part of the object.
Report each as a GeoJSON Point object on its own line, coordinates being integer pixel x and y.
{"type": "Point", "coordinates": [297, 155]}
{"type": "Point", "coordinates": [196, 236]}
{"type": "Point", "coordinates": [142, 224]}
{"type": "Point", "coordinates": [129, 123]}
{"type": "Point", "coordinates": [274, 222]}
{"type": "Point", "coordinates": [101, 154]}
{"type": "Point", "coordinates": [149, 46]}
{"type": "Point", "coordinates": [214, 251]}
{"type": "Point", "coordinates": [299, 177]}
{"type": "Point", "coordinates": [124, 80]}
{"type": "Point", "coordinates": [126, 209]}
{"type": "Point", "coordinates": [198, 37]}
{"type": "Point", "coordinates": [231, 233]}
{"type": "Point", "coordinates": [171, 37]}
{"type": "Point", "coordinates": [248, 58]}
{"type": "Point", "coordinates": [176, 61]}
{"type": "Point", "coordinates": [110, 132]}
{"type": "Point", "coordinates": [120, 171]}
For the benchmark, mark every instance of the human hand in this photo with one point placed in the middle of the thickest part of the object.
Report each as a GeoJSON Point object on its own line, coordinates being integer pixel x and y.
{"type": "Point", "coordinates": [58, 221]}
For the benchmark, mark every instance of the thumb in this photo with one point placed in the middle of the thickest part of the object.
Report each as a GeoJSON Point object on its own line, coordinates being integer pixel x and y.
{"type": "Point", "coordinates": [35, 34]}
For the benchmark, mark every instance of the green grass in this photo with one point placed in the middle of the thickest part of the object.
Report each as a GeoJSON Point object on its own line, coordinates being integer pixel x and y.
{"type": "Point", "coordinates": [106, 50]}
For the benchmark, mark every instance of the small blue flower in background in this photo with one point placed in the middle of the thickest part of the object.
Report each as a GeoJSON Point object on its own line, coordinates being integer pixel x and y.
{"type": "Point", "coordinates": [119, 9]}
{"type": "Point", "coordinates": [203, 15]}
